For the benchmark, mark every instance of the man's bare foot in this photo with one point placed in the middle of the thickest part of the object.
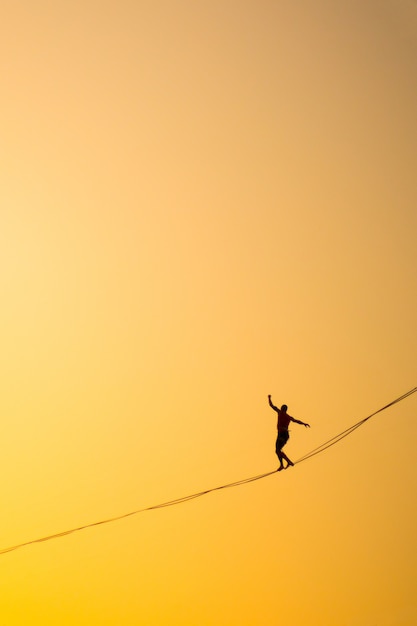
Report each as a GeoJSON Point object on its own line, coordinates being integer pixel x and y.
{"type": "Point", "coordinates": [290, 463]}
{"type": "Point", "coordinates": [281, 467]}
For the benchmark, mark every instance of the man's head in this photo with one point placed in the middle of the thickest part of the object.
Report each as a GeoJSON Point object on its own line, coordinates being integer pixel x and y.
{"type": "Point", "coordinates": [284, 408]}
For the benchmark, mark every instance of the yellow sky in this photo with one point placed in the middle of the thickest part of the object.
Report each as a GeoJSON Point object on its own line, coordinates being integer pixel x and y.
{"type": "Point", "coordinates": [203, 203]}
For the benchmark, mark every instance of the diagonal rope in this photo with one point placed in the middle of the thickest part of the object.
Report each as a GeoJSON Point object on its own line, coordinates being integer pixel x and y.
{"type": "Point", "coordinates": [244, 481]}
{"type": "Point", "coordinates": [125, 515]}
{"type": "Point", "coordinates": [331, 442]}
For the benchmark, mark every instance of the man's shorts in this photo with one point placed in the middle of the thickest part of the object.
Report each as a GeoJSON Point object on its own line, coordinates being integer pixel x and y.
{"type": "Point", "coordinates": [282, 439]}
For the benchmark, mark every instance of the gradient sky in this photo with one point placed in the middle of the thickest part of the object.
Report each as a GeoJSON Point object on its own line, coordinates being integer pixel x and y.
{"type": "Point", "coordinates": [203, 202]}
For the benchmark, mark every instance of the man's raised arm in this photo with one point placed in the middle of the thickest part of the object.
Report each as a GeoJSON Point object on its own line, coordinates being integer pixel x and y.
{"type": "Point", "coordinates": [272, 405]}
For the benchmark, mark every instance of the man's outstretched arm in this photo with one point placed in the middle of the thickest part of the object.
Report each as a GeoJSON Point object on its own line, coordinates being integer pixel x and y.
{"type": "Point", "coordinates": [272, 405]}
{"type": "Point", "coordinates": [300, 422]}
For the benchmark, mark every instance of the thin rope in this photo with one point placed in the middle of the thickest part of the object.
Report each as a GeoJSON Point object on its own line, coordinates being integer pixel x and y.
{"type": "Point", "coordinates": [244, 481]}
{"type": "Point", "coordinates": [331, 442]}
{"type": "Point", "coordinates": [149, 508]}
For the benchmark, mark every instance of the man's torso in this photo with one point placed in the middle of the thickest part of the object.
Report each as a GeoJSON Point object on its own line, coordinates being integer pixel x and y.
{"type": "Point", "coordinates": [283, 420]}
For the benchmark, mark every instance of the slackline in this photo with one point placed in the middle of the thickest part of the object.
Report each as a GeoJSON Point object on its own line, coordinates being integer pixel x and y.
{"type": "Point", "coordinates": [324, 446]}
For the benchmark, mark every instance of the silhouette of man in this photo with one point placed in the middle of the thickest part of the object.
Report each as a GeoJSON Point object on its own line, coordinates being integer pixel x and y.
{"type": "Point", "coordinates": [283, 435]}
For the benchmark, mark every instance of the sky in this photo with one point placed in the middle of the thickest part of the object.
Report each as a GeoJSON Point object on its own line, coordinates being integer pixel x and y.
{"type": "Point", "coordinates": [203, 203]}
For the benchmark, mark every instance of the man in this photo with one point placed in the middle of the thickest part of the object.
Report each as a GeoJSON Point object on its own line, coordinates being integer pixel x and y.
{"type": "Point", "coordinates": [283, 422]}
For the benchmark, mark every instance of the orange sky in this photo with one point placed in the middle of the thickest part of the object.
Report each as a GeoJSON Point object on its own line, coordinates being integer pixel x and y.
{"type": "Point", "coordinates": [203, 203]}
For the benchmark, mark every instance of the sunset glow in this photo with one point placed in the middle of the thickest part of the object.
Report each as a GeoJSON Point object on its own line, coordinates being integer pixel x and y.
{"type": "Point", "coordinates": [203, 203]}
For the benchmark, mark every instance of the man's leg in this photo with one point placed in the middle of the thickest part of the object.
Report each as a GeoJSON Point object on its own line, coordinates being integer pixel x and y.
{"type": "Point", "coordinates": [284, 456]}
{"type": "Point", "coordinates": [281, 464]}
{"type": "Point", "coordinates": [281, 441]}
{"type": "Point", "coordinates": [279, 454]}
